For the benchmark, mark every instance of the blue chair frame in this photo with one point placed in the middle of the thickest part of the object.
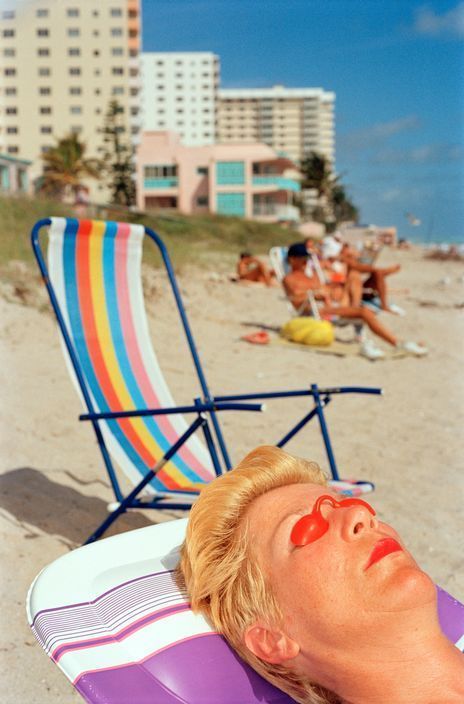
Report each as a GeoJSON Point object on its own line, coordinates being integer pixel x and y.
{"type": "Point", "coordinates": [204, 407]}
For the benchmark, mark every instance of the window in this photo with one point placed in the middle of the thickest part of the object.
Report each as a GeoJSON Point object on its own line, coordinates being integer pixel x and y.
{"type": "Point", "coordinates": [75, 109]}
{"type": "Point", "coordinates": [72, 12]}
{"type": "Point", "coordinates": [97, 72]}
{"type": "Point", "coordinates": [9, 52]}
{"type": "Point", "coordinates": [41, 12]}
{"type": "Point", "coordinates": [117, 71]}
{"type": "Point", "coordinates": [202, 201]}
{"type": "Point", "coordinates": [46, 129]}
{"type": "Point", "coordinates": [134, 111]}
{"type": "Point", "coordinates": [45, 111]}
{"type": "Point", "coordinates": [133, 33]}
{"type": "Point", "coordinates": [118, 90]}
{"type": "Point", "coordinates": [133, 72]}
{"type": "Point", "coordinates": [117, 51]}
{"type": "Point", "coordinates": [45, 91]}
{"type": "Point", "coordinates": [73, 31]}
{"type": "Point", "coordinates": [10, 91]}
{"type": "Point", "coordinates": [12, 149]}
{"type": "Point", "coordinates": [116, 32]}
{"type": "Point", "coordinates": [133, 14]}
{"type": "Point", "coordinates": [74, 51]}
{"type": "Point", "coordinates": [12, 130]}
{"type": "Point", "coordinates": [160, 87]}
{"type": "Point", "coordinates": [11, 111]}
{"type": "Point", "coordinates": [45, 148]}
{"type": "Point", "coordinates": [96, 33]}
{"type": "Point", "coordinates": [8, 33]}
{"type": "Point", "coordinates": [116, 12]}
{"type": "Point", "coordinates": [202, 170]}
{"type": "Point", "coordinates": [44, 71]}
{"type": "Point", "coordinates": [75, 90]}
{"type": "Point", "coordinates": [74, 71]}
{"type": "Point", "coordinates": [134, 91]}
{"type": "Point", "coordinates": [43, 52]}
{"type": "Point", "coordinates": [76, 129]}
{"type": "Point", "coordinates": [8, 15]}
{"type": "Point", "coordinates": [168, 171]}
{"type": "Point", "coordinates": [97, 91]}
{"type": "Point", "coordinates": [10, 72]}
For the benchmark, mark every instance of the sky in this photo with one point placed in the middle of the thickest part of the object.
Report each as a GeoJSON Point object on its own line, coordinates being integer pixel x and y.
{"type": "Point", "coordinates": [396, 67]}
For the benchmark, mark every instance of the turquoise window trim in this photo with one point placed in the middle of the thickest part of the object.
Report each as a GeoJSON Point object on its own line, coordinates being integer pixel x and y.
{"type": "Point", "coordinates": [230, 173]}
{"type": "Point", "coordinates": [5, 178]}
{"type": "Point", "coordinates": [282, 183]}
{"type": "Point", "coordinates": [160, 183]}
{"type": "Point", "coordinates": [231, 204]}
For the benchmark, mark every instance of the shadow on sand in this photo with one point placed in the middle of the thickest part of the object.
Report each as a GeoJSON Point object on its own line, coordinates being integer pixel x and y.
{"type": "Point", "coordinates": [37, 502]}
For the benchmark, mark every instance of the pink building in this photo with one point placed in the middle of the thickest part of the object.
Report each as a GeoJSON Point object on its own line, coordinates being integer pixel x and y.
{"type": "Point", "coordinates": [247, 180]}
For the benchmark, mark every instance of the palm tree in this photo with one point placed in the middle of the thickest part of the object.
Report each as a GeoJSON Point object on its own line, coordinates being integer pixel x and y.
{"type": "Point", "coordinates": [317, 174]}
{"type": "Point", "coordinates": [65, 167]}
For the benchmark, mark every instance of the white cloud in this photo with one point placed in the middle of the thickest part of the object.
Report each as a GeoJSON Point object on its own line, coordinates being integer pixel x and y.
{"type": "Point", "coordinates": [378, 133]}
{"type": "Point", "coordinates": [448, 24]}
{"type": "Point", "coordinates": [424, 154]}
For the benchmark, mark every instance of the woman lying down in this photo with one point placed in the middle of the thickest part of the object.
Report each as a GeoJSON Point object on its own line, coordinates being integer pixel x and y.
{"type": "Point", "coordinates": [313, 591]}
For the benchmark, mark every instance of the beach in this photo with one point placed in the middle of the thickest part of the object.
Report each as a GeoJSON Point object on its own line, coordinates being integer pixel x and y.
{"type": "Point", "coordinates": [408, 441]}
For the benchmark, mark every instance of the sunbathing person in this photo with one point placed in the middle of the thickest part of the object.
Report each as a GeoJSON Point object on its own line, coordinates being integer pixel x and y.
{"type": "Point", "coordinates": [251, 269]}
{"type": "Point", "coordinates": [343, 264]}
{"type": "Point", "coordinates": [313, 591]}
{"type": "Point", "coordinates": [336, 302]}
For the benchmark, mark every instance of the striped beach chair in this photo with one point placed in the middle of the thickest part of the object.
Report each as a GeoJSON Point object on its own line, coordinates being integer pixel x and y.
{"type": "Point", "coordinates": [94, 282]}
{"type": "Point", "coordinates": [113, 619]}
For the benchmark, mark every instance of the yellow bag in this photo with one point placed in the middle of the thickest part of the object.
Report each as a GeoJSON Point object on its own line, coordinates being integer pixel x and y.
{"type": "Point", "coordinates": [308, 331]}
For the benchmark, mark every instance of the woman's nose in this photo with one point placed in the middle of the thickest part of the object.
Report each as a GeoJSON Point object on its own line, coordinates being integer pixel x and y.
{"type": "Point", "coordinates": [356, 521]}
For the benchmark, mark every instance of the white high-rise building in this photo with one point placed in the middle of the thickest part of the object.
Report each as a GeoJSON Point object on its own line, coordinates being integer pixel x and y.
{"type": "Point", "coordinates": [294, 121]}
{"type": "Point", "coordinates": [61, 63]}
{"type": "Point", "coordinates": [179, 93]}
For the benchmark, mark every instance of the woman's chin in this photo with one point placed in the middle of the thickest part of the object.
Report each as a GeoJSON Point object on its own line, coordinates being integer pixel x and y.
{"type": "Point", "coordinates": [409, 588]}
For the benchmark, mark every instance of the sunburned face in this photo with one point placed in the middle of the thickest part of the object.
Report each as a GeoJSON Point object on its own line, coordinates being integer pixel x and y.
{"type": "Point", "coordinates": [344, 584]}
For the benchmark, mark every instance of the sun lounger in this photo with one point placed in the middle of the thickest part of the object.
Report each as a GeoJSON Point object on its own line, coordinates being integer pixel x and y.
{"type": "Point", "coordinates": [111, 616]}
{"type": "Point", "coordinates": [93, 279]}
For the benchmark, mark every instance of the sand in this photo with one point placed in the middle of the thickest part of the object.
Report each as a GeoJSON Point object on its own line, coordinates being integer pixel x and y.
{"type": "Point", "coordinates": [409, 442]}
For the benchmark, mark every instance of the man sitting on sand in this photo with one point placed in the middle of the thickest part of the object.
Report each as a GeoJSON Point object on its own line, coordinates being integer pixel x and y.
{"type": "Point", "coordinates": [313, 591]}
{"type": "Point", "coordinates": [298, 284]}
{"type": "Point", "coordinates": [251, 269]}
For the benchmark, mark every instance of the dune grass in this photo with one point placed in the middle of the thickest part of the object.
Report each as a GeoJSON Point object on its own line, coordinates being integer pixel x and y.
{"type": "Point", "coordinates": [205, 240]}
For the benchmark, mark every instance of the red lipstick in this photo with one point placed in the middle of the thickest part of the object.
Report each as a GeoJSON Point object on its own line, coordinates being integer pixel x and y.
{"type": "Point", "coordinates": [381, 549]}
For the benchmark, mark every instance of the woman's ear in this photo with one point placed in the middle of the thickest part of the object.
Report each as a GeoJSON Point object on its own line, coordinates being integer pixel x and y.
{"type": "Point", "coordinates": [270, 645]}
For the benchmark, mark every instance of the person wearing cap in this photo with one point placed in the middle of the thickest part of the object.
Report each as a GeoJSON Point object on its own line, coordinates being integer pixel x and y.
{"type": "Point", "coordinates": [298, 285]}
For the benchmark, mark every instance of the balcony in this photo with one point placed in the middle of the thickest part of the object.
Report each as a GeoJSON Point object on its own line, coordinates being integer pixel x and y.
{"type": "Point", "coordinates": [276, 212]}
{"type": "Point", "coordinates": [276, 182]}
{"type": "Point", "coordinates": [149, 183]}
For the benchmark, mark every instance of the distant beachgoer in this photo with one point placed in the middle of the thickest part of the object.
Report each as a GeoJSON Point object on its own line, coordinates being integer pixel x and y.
{"type": "Point", "coordinates": [298, 284]}
{"type": "Point", "coordinates": [250, 268]}
{"type": "Point", "coordinates": [345, 269]}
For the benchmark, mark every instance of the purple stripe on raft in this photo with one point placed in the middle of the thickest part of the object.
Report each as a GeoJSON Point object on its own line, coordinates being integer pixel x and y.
{"type": "Point", "coordinates": [100, 596]}
{"type": "Point", "coordinates": [215, 675]}
{"type": "Point", "coordinates": [121, 635]}
{"type": "Point", "coordinates": [451, 615]}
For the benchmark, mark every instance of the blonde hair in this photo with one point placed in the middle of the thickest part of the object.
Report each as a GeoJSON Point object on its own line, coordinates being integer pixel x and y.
{"type": "Point", "coordinates": [224, 582]}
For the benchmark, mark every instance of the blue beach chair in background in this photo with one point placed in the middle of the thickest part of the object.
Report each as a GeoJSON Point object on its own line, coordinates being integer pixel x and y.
{"type": "Point", "coordinates": [94, 282]}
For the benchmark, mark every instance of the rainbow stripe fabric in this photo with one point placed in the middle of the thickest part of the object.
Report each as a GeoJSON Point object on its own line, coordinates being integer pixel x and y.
{"type": "Point", "coordinates": [95, 269]}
